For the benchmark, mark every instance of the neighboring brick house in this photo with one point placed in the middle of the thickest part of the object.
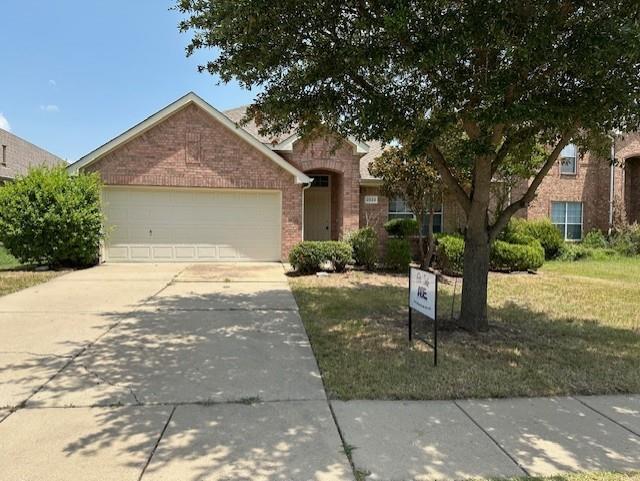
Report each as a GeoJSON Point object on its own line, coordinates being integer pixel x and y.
{"type": "Point", "coordinates": [17, 156]}
{"type": "Point", "coordinates": [190, 183]}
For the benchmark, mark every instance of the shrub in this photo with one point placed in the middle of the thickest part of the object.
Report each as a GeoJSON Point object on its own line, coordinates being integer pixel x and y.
{"type": "Point", "coordinates": [401, 228]}
{"type": "Point", "coordinates": [510, 257]}
{"type": "Point", "coordinates": [626, 240]}
{"type": "Point", "coordinates": [50, 217]}
{"type": "Point", "coordinates": [397, 255]}
{"type": "Point", "coordinates": [595, 239]}
{"type": "Point", "coordinates": [523, 253]}
{"type": "Point", "coordinates": [309, 257]}
{"type": "Point", "coordinates": [540, 229]}
{"type": "Point", "coordinates": [450, 253]}
{"type": "Point", "coordinates": [364, 243]}
{"type": "Point", "coordinates": [576, 252]}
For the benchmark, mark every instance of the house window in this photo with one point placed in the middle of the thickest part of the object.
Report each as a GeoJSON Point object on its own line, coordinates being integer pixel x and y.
{"type": "Point", "coordinates": [568, 159]}
{"type": "Point", "coordinates": [567, 217]}
{"type": "Point", "coordinates": [4, 155]}
{"type": "Point", "coordinates": [398, 209]}
{"type": "Point", "coordinates": [320, 180]}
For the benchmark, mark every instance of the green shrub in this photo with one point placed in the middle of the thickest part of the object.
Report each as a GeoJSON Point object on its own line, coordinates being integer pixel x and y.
{"type": "Point", "coordinates": [397, 255]}
{"type": "Point", "coordinates": [364, 243]}
{"type": "Point", "coordinates": [595, 239]}
{"type": "Point", "coordinates": [401, 228]}
{"type": "Point", "coordinates": [577, 252]}
{"type": "Point", "coordinates": [523, 253]}
{"type": "Point", "coordinates": [626, 240]}
{"type": "Point", "coordinates": [508, 257]}
{"type": "Point", "coordinates": [540, 229]}
{"type": "Point", "coordinates": [450, 253]}
{"type": "Point", "coordinates": [309, 257]}
{"type": "Point", "coordinates": [50, 217]}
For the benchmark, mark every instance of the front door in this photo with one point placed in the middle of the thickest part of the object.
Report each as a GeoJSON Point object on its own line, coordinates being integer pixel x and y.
{"type": "Point", "coordinates": [317, 212]}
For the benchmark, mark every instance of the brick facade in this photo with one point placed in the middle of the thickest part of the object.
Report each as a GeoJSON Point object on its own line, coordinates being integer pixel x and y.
{"type": "Point", "coordinates": [340, 159]}
{"type": "Point", "coordinates": [18, 155]}
{"type": "Point", "coordinates": [191, 149]}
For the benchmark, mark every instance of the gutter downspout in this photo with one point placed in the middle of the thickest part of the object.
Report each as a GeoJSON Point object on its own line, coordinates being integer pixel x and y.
{"type": "Point", "coordinates": [306, 186]}
{"type": "Point", "coordinates": [612, 177]}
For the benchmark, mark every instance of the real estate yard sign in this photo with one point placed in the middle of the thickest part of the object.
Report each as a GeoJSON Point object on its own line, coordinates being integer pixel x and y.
{"type": "Point", "coordinates": [423, 297]}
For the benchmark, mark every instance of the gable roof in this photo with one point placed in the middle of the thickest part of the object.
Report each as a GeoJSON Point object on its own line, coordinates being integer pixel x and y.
{"type": "Point", "coordinates": [155, 119]}
{"type": "Point", "coordinates": [284, 142]}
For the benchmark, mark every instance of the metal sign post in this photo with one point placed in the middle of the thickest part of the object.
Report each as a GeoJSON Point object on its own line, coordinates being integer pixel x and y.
{"type": "Point", "coordinates": [423, 297]}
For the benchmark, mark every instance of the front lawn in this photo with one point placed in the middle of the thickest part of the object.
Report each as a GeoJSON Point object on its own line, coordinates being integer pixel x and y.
{"type": "Point", "coordinates": [14, 277]}
{"type": "Point", "coordinates": [574, 328]}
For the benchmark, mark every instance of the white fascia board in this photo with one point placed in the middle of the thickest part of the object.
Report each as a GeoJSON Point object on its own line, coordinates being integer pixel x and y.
{"type": "Point", "coordinates": [287, 144]}
{"type": "Point", "coordinates": [182, 102]}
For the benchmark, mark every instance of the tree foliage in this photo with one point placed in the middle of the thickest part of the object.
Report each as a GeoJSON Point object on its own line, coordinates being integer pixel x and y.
{"type": "Point", "coordinates": [415, 180]}
{"type": "Point", "coordinates": [508, 74]}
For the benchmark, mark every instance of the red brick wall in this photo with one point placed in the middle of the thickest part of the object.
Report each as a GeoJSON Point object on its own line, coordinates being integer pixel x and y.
{"type": "Point", "coordinates": [191, 149]}
{"type": "Point", "coordinates": [590, 185]}
{"type": "Point", "coordinates": [374, 215]}
{"type": "Point", "coordinates": [325, 154]}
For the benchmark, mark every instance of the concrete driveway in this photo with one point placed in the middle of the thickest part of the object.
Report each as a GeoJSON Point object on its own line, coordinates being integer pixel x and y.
{"type": "Point", "coordinates": [162, 372]}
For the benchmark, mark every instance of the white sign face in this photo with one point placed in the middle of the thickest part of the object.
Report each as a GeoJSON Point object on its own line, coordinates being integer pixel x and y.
{"type": "Point", "coordinates": [422, 295]}
{"type": "Point", "coordinates": [370, 199]}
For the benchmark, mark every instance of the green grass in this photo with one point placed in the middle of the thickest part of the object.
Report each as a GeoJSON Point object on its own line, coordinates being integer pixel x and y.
{"type": "Point", "coordinates": [572, 329]}
{"type": "Point", "coordinates": [595, 476]}
{"type": "Point", "coordinates": [7, 261]}
{"type": "Point", "coordinates": [14, 277]}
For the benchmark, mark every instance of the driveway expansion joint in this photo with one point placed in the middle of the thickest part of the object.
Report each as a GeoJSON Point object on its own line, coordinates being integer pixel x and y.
{"type": "Point", "coordinates": [155, 447]}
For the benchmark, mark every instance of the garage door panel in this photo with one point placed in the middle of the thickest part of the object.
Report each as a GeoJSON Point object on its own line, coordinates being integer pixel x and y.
{"type": "Point", "coordinates": [186, 225]}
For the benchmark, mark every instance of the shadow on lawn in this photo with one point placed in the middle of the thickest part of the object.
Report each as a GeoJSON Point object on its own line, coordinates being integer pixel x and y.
{"type": "Point", "coordinates": [197, 349]}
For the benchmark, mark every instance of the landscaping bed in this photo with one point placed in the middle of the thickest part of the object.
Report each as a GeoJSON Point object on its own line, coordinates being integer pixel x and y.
{"type": "Point", "coordinates": [574, 328]}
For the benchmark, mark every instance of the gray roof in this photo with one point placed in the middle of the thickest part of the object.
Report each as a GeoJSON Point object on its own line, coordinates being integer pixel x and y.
{"type": "Point", "coordinates": [20, 155]}
{"type": "Point", "coordinates": [375, 147]}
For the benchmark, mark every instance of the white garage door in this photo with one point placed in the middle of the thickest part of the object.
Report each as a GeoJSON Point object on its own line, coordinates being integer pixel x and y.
{"type": "Point", "coordinates": [162, 225]}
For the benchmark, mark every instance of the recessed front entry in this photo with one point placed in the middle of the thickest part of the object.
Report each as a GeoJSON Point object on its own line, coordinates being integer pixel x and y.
{"type": "Point", "coordinates": [164, 224]}
{"type": "Point", "coordinates": [317, 209]}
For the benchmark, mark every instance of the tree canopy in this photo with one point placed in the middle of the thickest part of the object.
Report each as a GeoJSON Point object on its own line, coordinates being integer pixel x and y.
{"type": "Point", "coordinates": [508, 74]}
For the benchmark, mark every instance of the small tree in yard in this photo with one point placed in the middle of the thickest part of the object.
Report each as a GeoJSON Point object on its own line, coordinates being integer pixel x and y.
{"type": "Point", "coordinates": [53, 218]}
{"type": "Point", "coordinates": [417, 182]}
{"type": "Point", "coordinates": [506, 73]}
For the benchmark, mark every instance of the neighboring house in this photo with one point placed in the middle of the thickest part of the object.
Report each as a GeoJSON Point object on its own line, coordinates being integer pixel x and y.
{"type": "Point", "coordinates": [18, 155]}
{"type": "Point", "coordinates": [189, 183]}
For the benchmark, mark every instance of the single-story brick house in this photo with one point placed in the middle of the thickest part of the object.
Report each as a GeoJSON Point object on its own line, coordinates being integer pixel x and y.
{"type": "Point", "coordinates": [17, 156]}
{"type": "Point", "coordinates": [190, 184]}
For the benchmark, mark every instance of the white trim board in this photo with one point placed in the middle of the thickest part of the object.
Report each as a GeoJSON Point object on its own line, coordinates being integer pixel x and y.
{"type": "Point", "coordinates": [155, 119]}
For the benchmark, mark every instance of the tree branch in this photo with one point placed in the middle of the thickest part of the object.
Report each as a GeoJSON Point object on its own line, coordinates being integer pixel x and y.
{"type": "Point", "coordinates": [449, 179]}
{"type": "Point", "coordinates": [529, 195]}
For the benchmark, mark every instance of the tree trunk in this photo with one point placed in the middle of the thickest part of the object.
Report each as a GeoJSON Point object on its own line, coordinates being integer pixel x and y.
{"type": "Point", "coordinates": [431, 245]}
{"type": "Point", "coordinates": [473, 314]}
{"type": "Point", "coordinates": [420, 220]}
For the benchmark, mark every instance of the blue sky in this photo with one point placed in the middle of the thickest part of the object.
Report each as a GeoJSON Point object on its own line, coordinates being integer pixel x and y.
{"type": "Point", "coordinates": [74, 74]}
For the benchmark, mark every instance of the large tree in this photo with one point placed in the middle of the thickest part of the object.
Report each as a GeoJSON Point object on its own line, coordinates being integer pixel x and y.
{"type": "Point", "coordinates": [508, 73]}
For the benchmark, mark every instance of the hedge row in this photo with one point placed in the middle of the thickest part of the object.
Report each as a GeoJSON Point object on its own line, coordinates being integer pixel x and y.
{"type": "Point", "coordinates": [522, 254]}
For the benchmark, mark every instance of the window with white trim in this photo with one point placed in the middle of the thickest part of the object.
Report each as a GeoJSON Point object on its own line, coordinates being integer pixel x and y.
{"type": "Point", "coordinates": [567, 217]}
{"type": "Point", "coordinates": [398, 209]}
{"type": "Point", "coordinates": [569, 159]}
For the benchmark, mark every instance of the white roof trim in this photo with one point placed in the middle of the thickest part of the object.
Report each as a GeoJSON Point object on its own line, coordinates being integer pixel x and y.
{"type": "Point", "coordinates": [287, 144]}
{"type": "Point", "coordinates": [182, 102]}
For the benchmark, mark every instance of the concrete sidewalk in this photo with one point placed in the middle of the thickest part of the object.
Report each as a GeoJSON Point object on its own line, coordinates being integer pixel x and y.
{"type": "Point", "coordinates": [436, 440]}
